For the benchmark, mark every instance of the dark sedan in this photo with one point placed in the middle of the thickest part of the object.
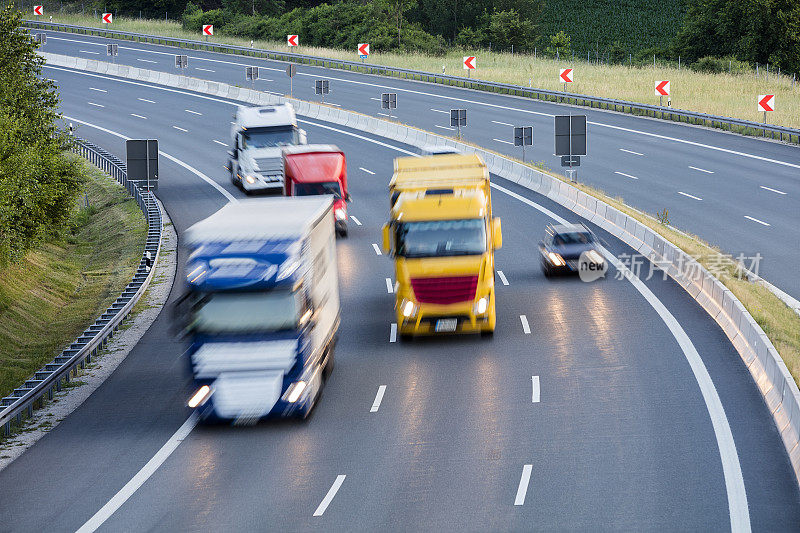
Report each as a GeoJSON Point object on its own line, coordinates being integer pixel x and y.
{"type": "Point", "coordinates": [561, 249]}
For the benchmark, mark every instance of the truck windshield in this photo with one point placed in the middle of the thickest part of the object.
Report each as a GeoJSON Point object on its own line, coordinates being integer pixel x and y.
{"type": "Point", "coordinates": [311, 189]}
{"type": "Point", "coordinates": [247, 312]}
{"type": "Point", "coordinates": [441, 238]}
{"type": "Point", "coordinates": [269, 137]}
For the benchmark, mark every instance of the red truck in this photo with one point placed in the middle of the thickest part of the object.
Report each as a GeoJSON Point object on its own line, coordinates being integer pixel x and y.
{"type": "Point", "coordinates": [318, 169]}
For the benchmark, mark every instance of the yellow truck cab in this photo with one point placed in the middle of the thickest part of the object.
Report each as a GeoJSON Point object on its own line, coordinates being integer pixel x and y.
{"type": "Point", "coordinates": [442, 237]}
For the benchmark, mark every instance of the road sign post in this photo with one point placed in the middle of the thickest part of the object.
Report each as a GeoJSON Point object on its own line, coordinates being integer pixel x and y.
{"type": "Point", "coordinates": [142, 161]}
{"type": "Point", "coordinates": [363, 51]}
{"type": "Point", "coordinates": [322, 87]}
{"type": "Point", "coordinates": [470, 63]}
{"type": "Point", "coordinates": [181, 62]}
{"type": "Point", "coordinates": [208, 30]}
{"type": "Point", "coordinates": [458, 118]}
{"type": "Point", "coordinates": [107, 18]}
{"type": "Point", "coordinates": [565, 75]}
{"type": "Point", "coordinates": [766, 102]}
{"type": "Point", "coordinates": [389, 101]}
{"type": "Point", "coordinates": [112, 50]}
{"type": "Point", "coordinates": [292, 40]}
{"type": "Point", "coordinates": [41, 38]}
{"type": "Point", "coordinates": [570, 140]}
{"type": "Point", "coordinates": [291, 70]}
{"type": "Point", "coordinates": [523, 136]}
{"type": "Point", "coordinates": [662, 90]}
{"type": "Point", "coordinates": [251, 74]}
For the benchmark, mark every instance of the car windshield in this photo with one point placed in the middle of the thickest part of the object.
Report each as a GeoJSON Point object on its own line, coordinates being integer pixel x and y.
{"type": "Point", "coordinates": [247, 312]}
{"type": "Point", "coordinates": [572, 237]}
{"type": "Point", "coordinates": [269, 137]}
{"type": "Point", "coordinates": [441, 238]}
{"type": "Point", "coordinates": [310, 189]}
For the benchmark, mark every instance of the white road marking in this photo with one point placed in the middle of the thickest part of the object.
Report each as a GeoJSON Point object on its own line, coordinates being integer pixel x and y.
{"type": "Point", "coordinates": [522, 489]}
{"type": "Point", "coordinates": [629, 151]}
{"type": "Point", "coordinates": [331, 493]}
{"type": "Point", "coordinates": [179, 128]}
{"type": "Point", "coordinates": [96, 105]}
{"type": "Point", "coordinates": [690, 196]}
{"type": "Point", "coordinates": [141, 476]}
{"type": "Point", "coordinates": [88, 52]}
{"type": "Point", "coordinates": [204, 69]}
{"type": "Point", "coordinates": [535, 394]}
{"type": "Point", "coordinates": [626, 175]}
{"type": "Point", "coordinates": [373, 98]}
{"type": "Point", "coordinates": [138, 116]}
{"type": "Point", "coordinates": [378, 399]}
{"type": "Point", "coordinates": [440, 111]}
{"type": "Point", "coordinates": [376, 248]}
{"type": "Point", "coordinates": [331, 103]}
{"type": "Point", "coordinates": [384, 114]}
{"type": "Point", "coordinates": [502, 277]}
{"type": "Point", "coordinates": [393, 332]}
{"type": "Point", "coordinates": [526, 328]}
{"type": "Point", "coordinates": [98, 90]}
{"type": "Point", "coordinates": [701, 169]}
{"type": "Point", "coordinates": [445, 127]}
{"type": "Point", "coordinates": [756, 220]}
{"type": "Point", "coordinates": [193, 112]}
{"type": "Point", "coordinates": [504, 142]}
{"type": "Point", "coordinates": [773, 190]}
{"type": "Point", "coordinates": [354, 219]}
{"type": "Point", "coordinates": [503, 123]}
{"type": "Point", "coordinates": [389, 286]}
{"type": "Point", "coordinates": [146, 100]}
{"type": "Point", "coordinates": [366, 170]}
{"type": "Point", "coordinates": [220, 142]}
{"type": "Point", "coordinates": [145, 61]}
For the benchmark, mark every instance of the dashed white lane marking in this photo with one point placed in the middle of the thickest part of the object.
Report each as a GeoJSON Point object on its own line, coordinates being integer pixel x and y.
{"type": "Point", "coordinates": [138, 116]}
{"type": "Point", "coordinates": [503, 123]}
{"type": "Point", "coordinates": [522, 489]}
{"type": "Point", "coordinates": [145, 60]}
{"type": "Point", "coordinates": [629, 151]}
{"type": "Point", "coordinates": [440, 111]}
{"type": "Point", "coordinates": [366, 170]}
{"type": "Point", "coordinates": [690, 196]}
{"type": "Point", "coordinates": [445, 127]}
{"type": "Point", "coordinates": [179, 128]}
{"type": "Point", "coordinates": [626, 175]}
{"type": "Point", "coordinates": [96, 105]}
{"type": "Point", "coordinates": [204, 69]}
{"type": "Point", "coordinates": [331, 493]}
{"type": "Point", "coordinates": [526, 328]}
{"type": "Point", "coordinates": [331, 103]}
{"type": "Point", "coordinates": [389, 286]}
{"type": "Point", "coordinates": [98, 90]}
{"type": "Point", "coordinates": [502, 277]}
{"type": "Point", "coordinates": [373, 98]}
{"type": "Point", "coordinates": [701, 170]}
{"type": "Point", "coordinates": [377, 250]}
{"type": "Point", "coordinates": [141, 476]}
{"type": "Point", "coordinates": [88, 52]}
{"type": "Point", "coordinates": [220, 142]}
{"type": "Point", "coordinates": [772, 190]}
{"type": "Point", "coordinates": [146, 100]}
{"type": "Point", "coordinates": [504, 142]}
{"type": "Point", "coordinates": [378, 399]}
{"type": "Point", "coordinates": [384, 114]}
{"type": "Point", "coordinates": [393, 332]}
{"type": "Point", "coordinates": [748, 217]}
{"type": "Point", "coordinates": [354, 219]}
{"type": "Point", "coordinates": [535, 393]}
{"type": "Point", "coordinates": [193, 112]}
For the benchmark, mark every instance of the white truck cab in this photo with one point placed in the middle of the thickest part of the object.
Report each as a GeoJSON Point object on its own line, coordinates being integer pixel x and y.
{"type": "Point", "coordinates": [258, 136]}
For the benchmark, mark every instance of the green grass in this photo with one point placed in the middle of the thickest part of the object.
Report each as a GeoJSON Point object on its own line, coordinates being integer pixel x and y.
{"type": "Point", "coordinates": [57, 290]}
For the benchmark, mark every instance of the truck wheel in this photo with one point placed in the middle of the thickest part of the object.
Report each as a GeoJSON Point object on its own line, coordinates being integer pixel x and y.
{"type": "Point", "coordinates": [328, 370]}
{"type": "Point", "coordinates": [406, 337]}
{"type": "Point", "coordinates": [487, 333]}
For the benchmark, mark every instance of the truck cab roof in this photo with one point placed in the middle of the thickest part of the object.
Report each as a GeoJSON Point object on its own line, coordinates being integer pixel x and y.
{"type": "Point", "coordinates": [265, 116]}
{"type": "Point", "coordinates": [442, 205]}
{"type": "Point", "coordinates": [315, 163]}
{"type": "Point", "coordinates": [454, 170]}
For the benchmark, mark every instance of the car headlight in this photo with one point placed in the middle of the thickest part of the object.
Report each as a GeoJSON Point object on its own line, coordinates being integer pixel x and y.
{"type": "Point", "coordinates": [556, 259]}
{"type": "Point", "coordinates": [408, 309]}
{"type": "Point", "coordinates": [295, 391]}
{"type": "Point", "coordinates": [595, 257]}
{"type": "Point", "coordinates": [250, 179]}
{"type": "Point", "coordinates": [340, 214]}
{"type": "Point", "coordinates": [481, 306]}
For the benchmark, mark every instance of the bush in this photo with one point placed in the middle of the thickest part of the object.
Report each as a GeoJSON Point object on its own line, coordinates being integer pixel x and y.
{"type": "Point", "coordinates": [507, 29]}
{"type": "Point", "coordinates": [470, 39]}
{"type": "Point", "coordinates": [720, 64]}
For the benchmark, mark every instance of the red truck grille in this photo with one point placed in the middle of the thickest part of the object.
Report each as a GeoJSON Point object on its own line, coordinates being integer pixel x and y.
{"type": "Point", "coordinates": [442, 291]}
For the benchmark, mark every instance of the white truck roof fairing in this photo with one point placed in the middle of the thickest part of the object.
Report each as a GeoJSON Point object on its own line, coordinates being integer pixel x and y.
{"type": "Point", "coordinates": [260, 219]}
{"type": "Point", "coordinates": [265, 116]}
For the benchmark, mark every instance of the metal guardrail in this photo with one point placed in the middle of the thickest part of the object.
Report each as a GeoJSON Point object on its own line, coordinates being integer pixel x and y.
{"type": "Point", "coordinates": [744, 127]}
{"type": "Point", "coordinates": [50, 377]}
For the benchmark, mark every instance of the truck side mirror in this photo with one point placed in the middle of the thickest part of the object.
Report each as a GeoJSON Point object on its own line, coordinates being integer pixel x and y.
{"type": "Point", "coordinates": [497, 235]}
{"type": "Point", "coordinates": [386, 241]}
{"type": "Point", "coordinates": [232, 154]}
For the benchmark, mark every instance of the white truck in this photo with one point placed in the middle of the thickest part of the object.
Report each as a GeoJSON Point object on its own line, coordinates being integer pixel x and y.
{"type": "Point", "coordinates": [261, 309]}
{"type": "Point", "coordinates": [258, 135]}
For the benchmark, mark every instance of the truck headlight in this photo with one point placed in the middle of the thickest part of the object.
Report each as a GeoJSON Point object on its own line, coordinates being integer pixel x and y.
{"type": "Point", "coordinates": [200, 396]}
{"type": "Point", "coordinates": [295, 391]}
{"type": "Point", "coordinates": [556, 259]}
{"type": "Point", "coordinates": [340, 214]}
{"type": "Point", "coordinates": [408, 309]}
{"type": "Point", "coordinates": [481, 306]}
{"type": "Point", "coordinates": [250, 179]}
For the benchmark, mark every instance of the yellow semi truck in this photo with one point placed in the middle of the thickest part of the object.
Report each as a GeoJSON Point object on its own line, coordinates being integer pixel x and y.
{"type": "Point", "coordinates": [442, 236]}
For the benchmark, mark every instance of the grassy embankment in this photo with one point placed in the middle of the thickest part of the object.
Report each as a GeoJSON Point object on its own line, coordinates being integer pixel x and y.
{"type": "Point", "coordinates": [48, 298]}
{"type": "Point", "coordinates": [731, 95]}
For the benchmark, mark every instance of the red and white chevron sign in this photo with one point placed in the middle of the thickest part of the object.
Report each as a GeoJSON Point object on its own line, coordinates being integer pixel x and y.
{"type": "Point", "coordinates": [565, 75]}
{"type": "Point", "coordinates": [662, 88]}
{"type": "Point", "coordinates": [766, 102]}
{"type": "Point", "coordinates": [291, 40]}
{"type": "Point", "coordinates": [38, 10]}
{"type": "Point", "coordinates": [208, 29]}
{"type": "Point", "coordinates": [107, 17]}
{"type": "Point", "coordinates": [469, 63]}
{"type": "Point", "coordinates": [363, 49]}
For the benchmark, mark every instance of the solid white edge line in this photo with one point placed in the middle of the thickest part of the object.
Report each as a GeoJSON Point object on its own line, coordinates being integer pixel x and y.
{"type": "Point", "coordinates": [771, 189]}
{"type": "Point", "coordinates": [526, 328]}
{"type": "Point", "coordinates": [502, 277]}
{"type": "Point", "coordinates": [502, 141]}
{"type": "Point", "coordinates": [389, 286]}
{"type": "Point", "coordinates": [376, 248]}
{"type": "Point", "coordinates": [536, 392]}
{"type": "Point", "coordinates": [701, 169]}
{"type": "Point", "coordinates": [522, 489]}
{"type": "Point", "coordinates": [748, 217]}
{"type": "Point", "coordinates": [366, 170]}
{"type": "Point", "coordinates": [629, 151]}
{"type": "Point", "coordinates": [326, 501]}
{"type": "Point", "coordinates": [690, 196]}
{"type": "Point", "coordinates": [354, 219]}
{"type": "Point", "coordinates": [378, 399]}
{"type": "Point", "coordinates": [141, 476]}
{"type": "Point", "coordinates": [503, 123]}
{"type": "Point", "coordinates": [626, 175]}
{"type": "Point", "coordinates": [393, 332]}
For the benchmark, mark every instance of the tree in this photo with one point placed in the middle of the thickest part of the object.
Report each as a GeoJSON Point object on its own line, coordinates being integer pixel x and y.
{"type": "Point", "coordinates": [560, 44]}
{"type": "Point", "coordinates": [507, 29]}
{"type": "Point", "coordinates": [396, 9]}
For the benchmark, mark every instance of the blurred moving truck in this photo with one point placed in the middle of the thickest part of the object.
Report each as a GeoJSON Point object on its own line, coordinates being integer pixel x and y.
{"type": "Point", "coordinates": [442, 237]}
{"type": "Point", "coordinates": [258, 135]}
{"type": "Point", "coordinates": [262, 307]}
{"type": "Point", "coordinates": [318, 169]}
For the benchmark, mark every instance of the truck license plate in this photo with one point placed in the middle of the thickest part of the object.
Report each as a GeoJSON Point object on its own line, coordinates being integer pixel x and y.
{"type": "Point", "coordinates": [446, 324]}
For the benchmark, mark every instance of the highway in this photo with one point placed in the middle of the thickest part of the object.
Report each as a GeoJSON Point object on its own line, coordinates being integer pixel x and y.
{"type": "Point", "coordinates": [742, 194]}
{"type": "Point", "coordinates": [592, 418]}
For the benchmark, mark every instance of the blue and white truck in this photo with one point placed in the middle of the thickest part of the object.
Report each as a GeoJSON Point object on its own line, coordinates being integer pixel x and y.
{"type": "Point", "coordinates": [262, 308]}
